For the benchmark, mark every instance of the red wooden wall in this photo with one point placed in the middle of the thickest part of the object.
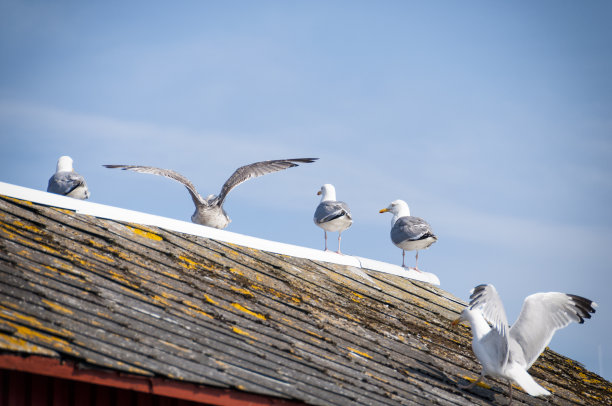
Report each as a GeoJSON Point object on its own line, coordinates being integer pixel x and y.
{"type": "Point", "coordinates": [26, 389]}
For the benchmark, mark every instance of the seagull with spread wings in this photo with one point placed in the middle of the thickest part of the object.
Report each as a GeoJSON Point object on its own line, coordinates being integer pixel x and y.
{"type": "Point", "coordinates": [508, 352]}
{"type": "Point", "coordinates": [209, 211]}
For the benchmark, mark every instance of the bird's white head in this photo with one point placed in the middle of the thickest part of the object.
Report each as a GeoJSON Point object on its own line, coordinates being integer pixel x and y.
{"type": "Point", "coordinates": [64, 164]}
{"type": "Point", "coordinates": [398, 208]}
{"type": "Point", "coordinates": [327, 192]}
{"type": "Point", "coordinates": [479, 325]}
{"type": "Point", "coordinates": [463, 316]}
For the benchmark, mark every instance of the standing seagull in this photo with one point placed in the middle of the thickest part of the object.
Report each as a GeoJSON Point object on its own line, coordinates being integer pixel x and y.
{"type": "Point", "coordinates": [209, 211]}
{"type": "Point", "coordinates": [509, 352]}
{"type": "Point", "coordinates": [407, 232]}
{"type": "Point", "coordinates": [332, 215]}
{"type": "Point", "coordinates": [65, 181]}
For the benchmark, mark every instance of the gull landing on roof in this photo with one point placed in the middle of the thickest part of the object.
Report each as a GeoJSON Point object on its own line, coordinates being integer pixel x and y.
{"type": "Point", "coordinates": [508, 352]}
{"type": "Point", "coordinates": [209, 211]}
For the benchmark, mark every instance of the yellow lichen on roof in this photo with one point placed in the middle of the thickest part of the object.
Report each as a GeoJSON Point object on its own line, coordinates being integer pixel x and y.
{"type": "Point", "coordinates": [122, 279]}
{"type": "Point", "coordinates": [188, 263]}
{"type": "Point", "coordinates": [18, 201]}
{"type": "Point", "coordinates": [236, 271]}
{"type": "Point", "coordinates": [8, 314]}
{"type": "Point", "coordinates": [252, 313]}
{"type": "Point", "coordinates": [21, 224]}
{"type": "Point", "coordinates": [481, 383]}
{"type": "Point", "coordinates": [160, 299]}
{"type": "Point", "coordinates": [73, 257]}
{"type": "Point", "coordinates": [209, 300]}
{"type": "Point", "coordinates": [146, 234]}
{"type": "Point", "coordinates": [586, 379]}
{"type": "Point", "coordinates": [103, 257]}
{"type": "Point", "coordinates": [175, 346]}
{"type": "Point", "coordinates": [9, 343]}
{"type": "Point", "coordinates": [194, 311]}
{"type": "Point", "coordinates": [57, 307]}
{"type": "Point", "coordinates": [363, 354]}
{"type": "Point", "coordinates": [31, 335]}
{"type": "Point", "coordinates": [242, 291]}
{"type": "Point", "coordinates": [242, 332]}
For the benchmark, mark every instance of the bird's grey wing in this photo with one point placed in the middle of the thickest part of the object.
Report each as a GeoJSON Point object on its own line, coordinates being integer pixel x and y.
{"type": "Point", "coordinates": [486, 298]}
{"type": "Point", "coordinates": [541, 315]}
{"type": "Point", "coordinates": [63, 183]}
{"type": "Point", "coordinates": [255, 170]}
{"type": "Point", "coordinates": [168, 173]}
{"type": "Point", "coordinates": [328, 211]}
{"type": "Point", "coordinates": [410, 229]}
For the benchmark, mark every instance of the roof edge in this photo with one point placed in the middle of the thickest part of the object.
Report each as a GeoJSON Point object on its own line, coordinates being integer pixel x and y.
{"type": "Point", "coordinates": [57, 368]}
{"type": "Point", "coordinates": [131, 216]}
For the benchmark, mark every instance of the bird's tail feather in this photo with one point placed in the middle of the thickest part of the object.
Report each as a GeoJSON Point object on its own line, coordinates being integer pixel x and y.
{"type": "Point", "coordinates": [525, 381]}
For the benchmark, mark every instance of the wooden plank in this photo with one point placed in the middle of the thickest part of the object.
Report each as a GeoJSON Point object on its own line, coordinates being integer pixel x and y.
{"type": "Point", "coordinates": [61, 392]}
{"type": "Point", "coordinates": [17, 394]}
{"type": "Point", "coordinates": [82, 393]}
{"type": "Point", "coordinates": [42, 390]}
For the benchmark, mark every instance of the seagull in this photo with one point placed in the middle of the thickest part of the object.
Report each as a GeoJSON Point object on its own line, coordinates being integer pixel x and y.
{"type": "Point", "coordinates": [332, 215]}
{"type": "Point", "coordinates": [507, 352]}
{"type": "Point", "coordinates": [65, 181]}
{"type": "Point", "coordinates": [407, 232]}
{"type": "Point", "coordinates": [209, 211]}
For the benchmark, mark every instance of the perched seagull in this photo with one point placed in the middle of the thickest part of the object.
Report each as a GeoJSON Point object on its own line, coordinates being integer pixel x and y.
{"type": "Point", "coordinates": [507, 352]}
{"type": "Point", "coordinates": [209, 211]}
{"type": "Point", "coordinates": [407, 232]}
{"type": "Point", "coordinates": [332, 215]}
{"type": "Point", "coordinates": [65, 181]}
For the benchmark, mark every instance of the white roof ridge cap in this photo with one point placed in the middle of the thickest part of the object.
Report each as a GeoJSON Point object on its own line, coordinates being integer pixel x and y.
{"type": "Point", "coordinates": [136, 217]}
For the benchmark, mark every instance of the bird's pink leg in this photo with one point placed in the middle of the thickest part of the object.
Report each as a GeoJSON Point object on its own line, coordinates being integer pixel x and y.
{"type": "Point", "coordinates": [403, 255]}
{"type": "Point", "coordinates": [510, 392]}
{"type": "Point", "coordinates": [416, 263]}
{"type": "Point", "coordinates": [339, 237]}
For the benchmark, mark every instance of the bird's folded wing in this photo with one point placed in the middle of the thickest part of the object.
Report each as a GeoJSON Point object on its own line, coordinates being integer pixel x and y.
{"type": "Point", "coordinates": [65, 182]}
{"type": "Point", "coordinates": [410, 229]}
{"type": "Point", "coordinates": [328, 211]}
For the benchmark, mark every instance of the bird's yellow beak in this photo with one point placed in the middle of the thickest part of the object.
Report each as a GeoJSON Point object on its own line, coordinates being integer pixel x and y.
{"type": "Point", "coordinates": [319, 193]}
{"type": "Point", "coordinates": [383, 210]}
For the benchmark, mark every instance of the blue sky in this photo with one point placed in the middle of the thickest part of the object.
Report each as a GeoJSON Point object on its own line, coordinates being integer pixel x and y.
{"type": "Point", "coordinates": [492, 120]}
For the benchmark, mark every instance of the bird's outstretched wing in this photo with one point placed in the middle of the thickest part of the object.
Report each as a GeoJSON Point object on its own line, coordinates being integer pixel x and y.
{"type": "Point", "coordinates": [255, 170]}
{"type": "Point", "coordinates": [168, 173]}
{"type": "Point", "coordinates": [543, 314]}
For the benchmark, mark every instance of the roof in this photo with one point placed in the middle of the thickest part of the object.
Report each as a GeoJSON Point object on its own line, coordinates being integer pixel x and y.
{"type": "Point", "coordinates": [146, 301]}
